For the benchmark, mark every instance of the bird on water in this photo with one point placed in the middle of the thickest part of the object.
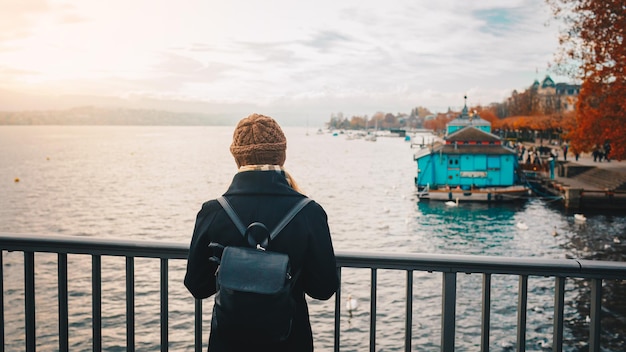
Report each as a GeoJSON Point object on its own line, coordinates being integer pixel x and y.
{"type": "Point", "coordinates": [453, 204]}
{"type": "Point", "coordinates": [351, 304]}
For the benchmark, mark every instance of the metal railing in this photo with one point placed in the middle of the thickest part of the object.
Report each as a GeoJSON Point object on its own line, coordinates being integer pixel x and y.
{"type": "Point", "coordinates": [448, 265]}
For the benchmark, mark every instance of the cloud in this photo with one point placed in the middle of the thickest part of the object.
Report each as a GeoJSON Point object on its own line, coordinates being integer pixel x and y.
{"type": "Point", "coordinates": [9, 74]}
{"type": "Point", "coordinates": [179, 74]}
{"type": "Point", "coordinates": [350, 55]}
{"type": "Point", "coordinates": [71, 18]}
{"type": "Point", "coordinates": [325, 40]}
{"type": "Point", "coordinates": [16, 17]}
{"type": "Point", "coordinates": [20, 19]}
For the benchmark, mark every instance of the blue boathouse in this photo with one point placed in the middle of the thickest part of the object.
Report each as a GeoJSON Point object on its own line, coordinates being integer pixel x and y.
{"type": "Point", "coordinates": [470, 159]}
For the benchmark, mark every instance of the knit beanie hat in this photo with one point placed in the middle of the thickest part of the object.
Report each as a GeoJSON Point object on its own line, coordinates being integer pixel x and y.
{"type": "Point", "coordinates": [258, 140]}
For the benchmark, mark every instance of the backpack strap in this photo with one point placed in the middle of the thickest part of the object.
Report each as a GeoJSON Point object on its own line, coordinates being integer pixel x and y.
{"type": "Point", "coordinates": [232, 214]}
{"type": "Point", "coordinates": [240, 226]}
{"type": "Point", "coordinates": [292, 213]}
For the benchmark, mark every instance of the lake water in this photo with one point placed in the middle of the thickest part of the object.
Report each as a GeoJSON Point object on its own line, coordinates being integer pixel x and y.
{"type": "Point", "coordinates": [147, 183]}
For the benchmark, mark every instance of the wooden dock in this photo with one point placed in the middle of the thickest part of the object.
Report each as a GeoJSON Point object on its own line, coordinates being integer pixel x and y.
{"type": "Point", "coordinates": [585, 184]}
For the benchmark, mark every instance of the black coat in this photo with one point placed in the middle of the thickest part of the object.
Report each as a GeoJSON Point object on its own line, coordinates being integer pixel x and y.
{"type": "Point", "coordinates": [266, 196]}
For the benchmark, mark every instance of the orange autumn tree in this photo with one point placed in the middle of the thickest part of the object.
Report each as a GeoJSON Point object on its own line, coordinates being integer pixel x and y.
{"type": "Point", "coordinates": [438, 124]}
{"type": "Point", "coordinates": [513, 123]}
{"type": "Point", "coordinates": [487, 114]}
{"type": "Point", "coordinates": [592, 49]}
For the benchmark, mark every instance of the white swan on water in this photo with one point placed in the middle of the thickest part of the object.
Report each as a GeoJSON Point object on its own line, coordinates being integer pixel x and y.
{"type": "Point", "coordinates": [351, 304]}
{"type": "Point", "coordinates": [453, 204]}
{"type": "Point", "coordinates": [580, 217]}
{"type": "Point", "coordinates": [522, 225]}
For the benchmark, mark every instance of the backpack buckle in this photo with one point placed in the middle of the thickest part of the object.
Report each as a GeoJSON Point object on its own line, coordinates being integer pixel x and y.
{"type": "Point", "coordinates": [258, 235]}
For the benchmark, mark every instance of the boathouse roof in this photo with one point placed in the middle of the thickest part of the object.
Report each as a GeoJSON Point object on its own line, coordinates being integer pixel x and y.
{"type": "Point", "coordinates": [471, 133]}
{"type": "Point", "coordinates": [465, 119]}
{"type": "Point", "coordinates": [476, 149]}
{"type": "Point", "coordinates": [484, 149]}
{"type": "Point", "coordinates": [465, 149]}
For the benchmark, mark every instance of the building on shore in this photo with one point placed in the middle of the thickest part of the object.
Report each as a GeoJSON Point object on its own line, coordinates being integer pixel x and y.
{"type": "Point", "coordinates": [545, 97]}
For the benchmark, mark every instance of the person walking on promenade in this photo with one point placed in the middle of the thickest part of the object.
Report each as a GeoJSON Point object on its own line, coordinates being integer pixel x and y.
{"type": "Point", "coordinates": [552, 164]}
{"type": "Point", "coordinates": [565, 149]}
{"type": "Point", "coordinates": [576, 154]}
{"type": "Point", "coordinates": [607, 150]}
{"type": "Point", "coordinates": [537, 158]}
{"type": "Point", "coordinates": [263, 191]}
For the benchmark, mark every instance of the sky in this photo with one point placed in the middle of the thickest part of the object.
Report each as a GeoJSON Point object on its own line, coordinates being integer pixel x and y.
{"type": "Point", "coordinates": [297, 59]}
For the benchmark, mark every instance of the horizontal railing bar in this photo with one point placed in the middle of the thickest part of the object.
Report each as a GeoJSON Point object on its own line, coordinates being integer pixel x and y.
{"type": "Point", "coordinates": [93, 246]}
{"type": "Point", "coordinates": [602, 269]}
{"type": "Point", "coordinates": [485, 264]}
{"type": "Point", "coordinates": [401, 261]}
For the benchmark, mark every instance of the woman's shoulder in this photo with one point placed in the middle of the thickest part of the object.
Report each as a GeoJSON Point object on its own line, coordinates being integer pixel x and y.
{"type": "Point", "coordinates": [314, 209]}
{"type": "Point", "coordinates": [208, 208]}
{"type": "Point", "coordinates": [315, 205]}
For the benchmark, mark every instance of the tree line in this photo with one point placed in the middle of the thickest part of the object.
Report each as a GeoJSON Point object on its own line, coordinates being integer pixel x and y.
{"type": "Point", "coordinates": [380, 120]}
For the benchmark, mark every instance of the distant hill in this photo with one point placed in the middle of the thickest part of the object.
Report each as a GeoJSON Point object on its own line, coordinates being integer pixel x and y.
{"type": "Point", "coordinates": [90, 115]}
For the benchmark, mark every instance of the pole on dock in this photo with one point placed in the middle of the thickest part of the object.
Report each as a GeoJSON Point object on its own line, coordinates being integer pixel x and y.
{"type": "Point", "coordinates": [572, 197]}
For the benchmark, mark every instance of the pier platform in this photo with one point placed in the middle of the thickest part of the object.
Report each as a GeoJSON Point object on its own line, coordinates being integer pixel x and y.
{"type": "Point", "coordinates": [586, 184]}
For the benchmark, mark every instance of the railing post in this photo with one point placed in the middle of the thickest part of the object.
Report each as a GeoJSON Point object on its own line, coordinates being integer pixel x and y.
{"type": "Point", "coordinates": [29, 299]}
{"type": "Point", "coordinates": [373, 310]}
{"type": "Point", "coordinates": [338, 312]}
{"type": "Point", "coordinates": [559, 305]}
{"type": "Point", "coordinates": [486, 314]}
{"type": "Point", "coordinates": [448, 314]}
{"type": "Point", "coordinates": [594, 314]}
{"type": "Point", "coordinates": [1, 300]}
{"type": "Point", "coordinates": [96, 303]}
{"type": "Point", "coordinates": [522, 307]}
{"type": "Point", "coordinates": [164, 306]}
{"type": "Point", "coordinates": [408, 326]}
{"type": "Point", "coordinates": [130, 304]}
{"type": "Point", "coordinates": [198, 325]}
{"type": "Point", "coordinates": [63, 309]}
